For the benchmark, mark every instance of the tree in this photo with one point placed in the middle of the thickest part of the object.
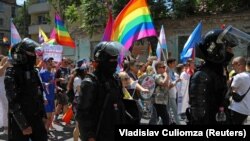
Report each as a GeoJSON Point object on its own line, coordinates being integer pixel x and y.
{"type": "Point", "coordinates": [184, 8]}
{"type": "Point", "coordinates": [67, 9]}
{"type": "Point", "coordinates": [22, 20]}
{"type": "Point", "coordinates": [222, 6]}
{"type": "Point", "coordinates": [94, 16]}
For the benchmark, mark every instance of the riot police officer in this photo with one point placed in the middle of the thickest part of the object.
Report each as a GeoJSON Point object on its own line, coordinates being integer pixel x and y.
{"type": "Point", "coordinates": [22, 83]}
{"type": "Point", "coordinates": [208, 85]}
{"type": "Point", "coordinates": [100, 105]}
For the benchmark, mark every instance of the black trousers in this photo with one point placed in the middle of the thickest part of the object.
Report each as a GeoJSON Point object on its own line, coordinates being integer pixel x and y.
{"type": "Point", "coordinates": [162, 112]}
{"type": "Point", "coordinates": [39, 132]}
{"type": "Point", "coordinates": [237, 118]}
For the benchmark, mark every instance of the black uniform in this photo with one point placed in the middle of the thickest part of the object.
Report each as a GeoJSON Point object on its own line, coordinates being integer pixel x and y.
{"type": "Point", "coordinates": [207, 92]}
{"type": "Point", "coordinates": [22, 85]}
{"type": "Point", "coordinates": [100, 105]}
{"type": "Point", "coordinates": [208, 85]}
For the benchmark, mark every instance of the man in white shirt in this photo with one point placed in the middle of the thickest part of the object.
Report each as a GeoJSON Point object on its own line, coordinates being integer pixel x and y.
{"type": "Point", "coordinates": [241, 84]}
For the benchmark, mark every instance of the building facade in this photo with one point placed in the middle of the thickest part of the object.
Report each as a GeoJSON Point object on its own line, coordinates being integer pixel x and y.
{"type": "Point", "coordinates": [178, 31]}
{"type": "Point", "coordinates": [7, 11]}
{"type": "Point", "coordinates": [40, 11]}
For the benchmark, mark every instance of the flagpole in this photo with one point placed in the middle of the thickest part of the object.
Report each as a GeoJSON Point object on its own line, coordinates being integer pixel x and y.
{"type": "Point", "coordinates": [164, 57]}
{"type": "Point", "coordinates": [162, 41]}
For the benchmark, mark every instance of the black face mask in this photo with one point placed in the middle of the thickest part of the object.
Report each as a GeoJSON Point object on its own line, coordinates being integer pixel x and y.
{"type": "Point", "coordinates": [107, 67]}
{"type": "Point", "coordinates": [31, 61]}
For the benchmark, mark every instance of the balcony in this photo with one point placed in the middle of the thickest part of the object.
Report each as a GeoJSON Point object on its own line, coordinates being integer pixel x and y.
{"type": "Point", "coordinates": [39, 8]}
{"type": "Point", "coordinates": [33, 29]}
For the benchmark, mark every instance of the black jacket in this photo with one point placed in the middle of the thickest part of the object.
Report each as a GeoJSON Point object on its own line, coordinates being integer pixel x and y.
{"type": "Point", "coordinates": [22, 92]}
{"type": "Point", "coordinates": [207, 90]}
{"type": "Point", "coordinates": [97, 119]}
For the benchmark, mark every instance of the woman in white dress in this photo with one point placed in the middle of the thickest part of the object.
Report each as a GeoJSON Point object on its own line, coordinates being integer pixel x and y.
{"type": "Point", "coordinates": [3, 100]}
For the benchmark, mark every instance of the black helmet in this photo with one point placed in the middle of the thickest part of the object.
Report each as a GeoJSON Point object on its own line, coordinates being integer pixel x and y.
{"type": "Point", "coordinates": [24, 52]}
{"type": "Point", "coordinates": [105, 50]}
{"type": "Point", "coordinates": [209, 49]}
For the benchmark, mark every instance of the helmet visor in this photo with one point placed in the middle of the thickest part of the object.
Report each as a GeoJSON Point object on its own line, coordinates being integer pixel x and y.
{"type": "Point", "coordinates": [234, 37]}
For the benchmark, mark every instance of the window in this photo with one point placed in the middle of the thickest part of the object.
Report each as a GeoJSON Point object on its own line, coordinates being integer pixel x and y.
{"type": "Point", "coordinates": [13, 11]}
{"type": "Point", "coordinates": [1, 22]}
{"type": "Point", "coordinates": [1, 7]}
{"type": "Point", "coordinates": [42, 19]}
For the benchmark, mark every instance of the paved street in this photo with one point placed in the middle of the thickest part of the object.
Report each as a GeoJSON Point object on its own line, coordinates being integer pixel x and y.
{"type": "Point", "coordinates": [64, 133]}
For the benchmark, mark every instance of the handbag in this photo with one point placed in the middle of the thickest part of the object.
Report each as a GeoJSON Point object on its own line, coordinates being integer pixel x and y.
{"type": "Point", "coordinates": [238, 98]}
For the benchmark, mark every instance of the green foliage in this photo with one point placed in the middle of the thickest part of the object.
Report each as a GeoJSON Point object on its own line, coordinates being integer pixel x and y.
{"type": "Point", "coordinates": [71, 13]}
{"type": "Point", "coordinates": [184, 8]}
{"type": "Point", "coordinates": [67, 9]}
{"type": "Point", "coordinates": [94, 16]}
{"type": "Point", "coordinates": [222, 6]}
{"type": "Point", "coordinates": [22, 20]}
{"type": "Point", "coordinates": [158, 9]}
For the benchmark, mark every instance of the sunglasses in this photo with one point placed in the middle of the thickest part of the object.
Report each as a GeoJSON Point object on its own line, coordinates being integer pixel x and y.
{"type": "Point", "coordinates": [162, 67]}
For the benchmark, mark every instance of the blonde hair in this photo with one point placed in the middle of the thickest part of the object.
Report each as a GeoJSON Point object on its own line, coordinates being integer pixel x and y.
{"type": "Point", "coordinates": [123, 74]}
{"type": "Point", "coordinates": [149, 70]}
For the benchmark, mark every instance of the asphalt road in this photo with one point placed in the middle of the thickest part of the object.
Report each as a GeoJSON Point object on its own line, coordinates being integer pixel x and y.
{"type": "Point", "coordinates": [61, 133]}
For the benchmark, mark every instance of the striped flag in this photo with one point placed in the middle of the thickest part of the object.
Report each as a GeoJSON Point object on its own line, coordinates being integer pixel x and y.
{"type": "Point", "coordinates": [52, 37]}
{"type": "Point", "coordinates": [161, 43]}
{"type": "Point", "coordinates": [53, 34]}
{"type": "Point", "coordinates": [108, 29]}
{"type": "Point", "coordinates": [15, 37]}
{"type": "Point", "coordinates": [134, 22]}
{"type": "Point", "coordinates": [193, 39]}
{"type": "Point", "coordinates": [42, 36]}
{"type": "Point", "coordinates": [62, 35]}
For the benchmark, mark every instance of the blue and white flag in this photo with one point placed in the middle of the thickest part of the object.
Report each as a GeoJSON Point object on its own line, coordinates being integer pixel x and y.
{"type": "Point", "coordinates": [162, 44]}
{"type": "Point", "coordinates": [193, 39]}
{"type": "Point", "coordinates": [15, 37]}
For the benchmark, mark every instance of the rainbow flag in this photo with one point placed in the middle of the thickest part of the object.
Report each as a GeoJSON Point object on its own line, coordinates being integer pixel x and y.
{"type": "Point", "coordinates": [52, 38]}
{"type": "Point", "coordinates": [133, 23]}
{"type": "Point", "coordinates": [15, 37]}
{"type": "Point", "coordinates": [62, 35]}
{"type": "Point", "coordinates": [108, 29]}
{"type": "Point", "coordinates": [42, 36]}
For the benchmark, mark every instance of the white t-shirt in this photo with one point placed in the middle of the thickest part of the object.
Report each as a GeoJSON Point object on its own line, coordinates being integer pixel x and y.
{"type": "Point", "coordinates": [183, 93]}
{"type": "Point", "coordinates": [241, 81]}
{"type": "Point", "coordinates": [77, 82]}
